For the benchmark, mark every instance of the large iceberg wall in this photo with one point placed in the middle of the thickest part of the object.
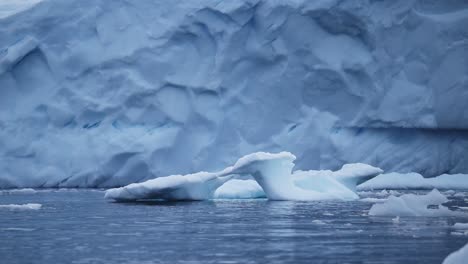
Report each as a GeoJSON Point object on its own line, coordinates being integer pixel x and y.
{"type": "Point", "coordinates": [105, 93]}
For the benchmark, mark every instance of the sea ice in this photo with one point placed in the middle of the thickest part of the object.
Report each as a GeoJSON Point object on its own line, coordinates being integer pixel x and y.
{"type": "Point", "coordinates": [413, 205]}
{"type": "Point", "coordinates": [416, 181]}
{"type": "Point", "coordinates": [460, 226]}
{"type": "Point", "coordinates": [28, 206]}
{"type": "Point", "coordinates": [19, 191]}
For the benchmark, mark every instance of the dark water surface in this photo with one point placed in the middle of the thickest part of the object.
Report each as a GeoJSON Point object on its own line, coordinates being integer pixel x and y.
{"type": "Point", "coordinates": [82, 227]}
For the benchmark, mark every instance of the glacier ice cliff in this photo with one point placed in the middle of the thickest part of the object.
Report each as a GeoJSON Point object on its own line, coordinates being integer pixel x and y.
{"type": "Point", "coordinates": [106, 93]}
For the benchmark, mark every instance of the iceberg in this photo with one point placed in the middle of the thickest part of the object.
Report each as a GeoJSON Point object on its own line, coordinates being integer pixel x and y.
{"type": "Point", "coordinates": [272, 177]}
{"type": "Point", "coordinates": [413, 205]}
{"type": "Point", "coordinates": [416, 181]}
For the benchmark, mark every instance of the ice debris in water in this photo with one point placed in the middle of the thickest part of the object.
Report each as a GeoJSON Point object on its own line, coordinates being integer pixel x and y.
{"type": "Point", "coordinates": [271, 172]}
{"type": "Point", "coordinates": [19, 191]}
{"type": "Point", "coordinates": [413, 205]}
{"type": "Point", "coordinates": [462, 226]}
{"type": "Point", "coordinates": [28, 206]}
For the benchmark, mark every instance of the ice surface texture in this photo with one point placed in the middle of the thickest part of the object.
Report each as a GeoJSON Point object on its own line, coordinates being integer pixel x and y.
{"type": "Point", "coordinates": [29, 206]}
{"type": "Point", "coordinates": [272, 172]}
{"type": "Point", "coordinates": [458, 257]}
{"type": "Point", "coordinates": [416, 181]}
{"type": "Point", "coordinates": [106, 93]}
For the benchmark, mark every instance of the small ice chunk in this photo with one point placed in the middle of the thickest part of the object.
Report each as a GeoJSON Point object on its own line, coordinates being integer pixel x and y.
{"type": "Point", "coordinates": [463, 226]}
{"type": "Point", "coordinates": [28, 206]}
{"type": "Point", "coordinates": [319, 222]}
{"type": "Point", "coordinates": [413, 205]}
{"type": "Point", "coordinates": [458, 257]}
{"type": "Point", "coordinates": [372, 200]}
{"type": "Point", "coordinates": [459, 233]}
{"type": "Point", "coordinates": [19, 191]}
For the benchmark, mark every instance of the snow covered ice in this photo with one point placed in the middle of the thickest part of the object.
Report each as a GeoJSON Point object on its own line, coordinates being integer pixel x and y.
{"type": "Point", "coordinates": [273, 175]}
{"type": "Point", "coordinates": [151, 88]}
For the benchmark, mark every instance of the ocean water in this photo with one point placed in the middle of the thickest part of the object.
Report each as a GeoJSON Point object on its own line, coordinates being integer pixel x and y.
{"type": "Point", "coordinates": [79, 226]}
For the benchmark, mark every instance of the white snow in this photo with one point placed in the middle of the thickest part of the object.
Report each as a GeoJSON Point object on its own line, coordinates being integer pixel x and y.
{"type": "Point", "coordinates": [159, 87]}
{"type": "Point", "coordinates": [28, 206]}
{"type": "Point", "coordinates": [416, 181]}
{"type": "Point", "coordinates": [413, 205]}
{"type": "Point", "coordinates": [458, 257]}
{"type": "Point", "coordinates": [273, 178]}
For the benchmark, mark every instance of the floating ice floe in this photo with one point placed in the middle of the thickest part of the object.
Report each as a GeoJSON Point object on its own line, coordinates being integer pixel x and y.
{"type": "Point", "coordinates": [458, 257]}
{"type": "Point", "coordinates": [460, 226]}
{"type": "Point", "coordinates": [28, 206]}
{"type": "Point", "coordinates": [416, 181]}
{"type": "Point", "coordinates": [19, 191]}
{"type": "Point", "coordinates": [413, 205]}
{"type": "Point", "coordinates": [373, 200]}
{"type": "Point", "coordinates": [273, 176]}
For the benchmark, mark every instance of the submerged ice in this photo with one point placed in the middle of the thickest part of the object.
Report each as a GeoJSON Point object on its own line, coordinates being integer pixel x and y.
{"type": "Point", "coordinates": [272, 175]}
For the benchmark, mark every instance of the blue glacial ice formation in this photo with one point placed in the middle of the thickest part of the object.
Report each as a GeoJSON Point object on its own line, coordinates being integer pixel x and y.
{"type": "Point", "coordinates": [272, 172]}
{"type": "Point", "coordinates": [106, 93]}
